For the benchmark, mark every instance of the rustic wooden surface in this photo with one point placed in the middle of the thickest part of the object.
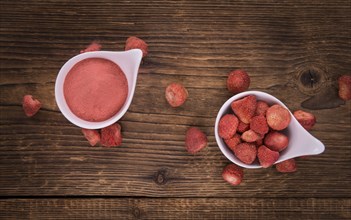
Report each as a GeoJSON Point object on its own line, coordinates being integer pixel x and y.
{"type": "Point", "coordinates": [294, 50]}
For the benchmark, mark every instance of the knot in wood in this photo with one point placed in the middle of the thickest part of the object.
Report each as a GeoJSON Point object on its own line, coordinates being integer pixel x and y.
{"type": "Point", "coordinates": [160, 177]}
{"type": "Point", "coordinates": [136, 212]}
{"type": "Point", "coordinates": [311, 79]}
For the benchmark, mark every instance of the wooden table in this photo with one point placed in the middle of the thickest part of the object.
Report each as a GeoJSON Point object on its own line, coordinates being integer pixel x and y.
{"type": "Point", "coordinates": [294, 50]}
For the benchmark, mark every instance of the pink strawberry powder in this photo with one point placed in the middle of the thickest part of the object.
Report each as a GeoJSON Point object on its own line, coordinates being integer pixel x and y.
{"type": "Point", "coordinates": [95, 89]}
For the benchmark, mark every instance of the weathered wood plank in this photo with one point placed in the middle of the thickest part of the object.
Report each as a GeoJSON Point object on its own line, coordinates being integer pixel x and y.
{"type": "Point", "coordinates": [202, 208]}
{"type": "Point", "coordinates": [41, 157]}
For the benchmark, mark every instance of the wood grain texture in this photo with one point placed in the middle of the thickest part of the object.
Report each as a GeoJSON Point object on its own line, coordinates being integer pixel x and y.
{"type": "Point", "coordinates": [49, 158]}
{"type": "Point", "coordinates": [294, 50]}
{"type": "Point", "coordinates": [152, 208]}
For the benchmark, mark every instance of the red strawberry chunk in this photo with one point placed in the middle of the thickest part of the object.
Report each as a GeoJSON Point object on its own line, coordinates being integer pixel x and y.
{"type": "Point", "coordinates": [245, 108]}
{"type": "Point", "coordinates": [111, 136]}
{"type": "Point", "coordinates": [227, 126]}
{"type": "Point", "coordinates": [233, 174]}
{"type": "Point", "coordinates": [246, 152]}
{"type": "Point", "coordinates": [195, 140]}
{"type": "Point", "coordinates": [93, 136]}
{"type": "Point", "coordinates": [30, 105]}
{"type": "Point", "coordinates": [287, 166]}
{"type": "Point", "coordinates": [266, 156]}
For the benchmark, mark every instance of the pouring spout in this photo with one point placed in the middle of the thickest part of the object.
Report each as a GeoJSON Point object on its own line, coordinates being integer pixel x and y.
{"type": "Point", "coordinates": [301, 142]}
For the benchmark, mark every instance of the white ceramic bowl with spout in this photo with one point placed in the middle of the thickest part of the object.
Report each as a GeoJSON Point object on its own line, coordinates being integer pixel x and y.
{"type": "Point", "coordinates": [301, 142]}
{"type": "Point", "coordinates": [128, 61]}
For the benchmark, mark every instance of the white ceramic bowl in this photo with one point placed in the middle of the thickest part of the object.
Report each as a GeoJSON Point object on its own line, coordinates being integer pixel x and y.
{"type": "Point", "coordinates": [128, 61]}
{"type": "Point", "coordinates": [301, 142]}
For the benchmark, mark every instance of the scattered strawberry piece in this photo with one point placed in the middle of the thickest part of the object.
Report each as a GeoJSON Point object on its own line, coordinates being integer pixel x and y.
{"type": "Point", "coordinates": [261, 108]}
{"type": "Point", "coordinates": [227, 126]}
{"type": "Point", "coordinates": [287, 166]}
{"type": "Point", "coordinates": [137, 43]}
{"type": "Point", "coordinates": [306, 119]}
{"type": "Point", "coordinates": [246, 152]}
{"type": "Point", "coordinates": [259, 124]}
{"type": "Point", "coordinates": [276, 141]}
{"type": "Point", "coordinates": [176, 94]}
{"type": "Point", "coordinates": [245, 108]}
{"type": "Point", "coordinates": [195, 140]}
{"type": "Point", "coordinates": [94, 46]}
{"type": "Point", "coordinates": [344, 82]}
{"type": "Point", "coordinates": [93, 136]}
{"type": "Point", "coordinates": [251, 136]}
{"type": "Point", "coordinates": [238, 81]}
{"type": "Point", "coordinates": [111, 136]}
{"type": "Point", "coordinates": [266, 156]}
{"type": "Point", "coordinates": [242, 127]}
{"type": "Point", "coordinates": [232, 142]}
{"type": "Point", "coordinates": [30, 105]}
{"type": "Point", "coordinates": [233, 174]}
{"type": "Point", "coordinates": [278, 117]}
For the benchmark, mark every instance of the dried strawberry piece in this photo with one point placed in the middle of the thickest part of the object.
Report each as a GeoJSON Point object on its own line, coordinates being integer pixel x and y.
{"type": "Point", "coordinates": [238, 81]}
{"type": "Point", "coordinates": [251, 136]}
{"type": "Point", "coordinates": [306, 119]}
{"type": "Point", "coordinates": [266, 156]}
{"type": "Point", "coordinates": [227, 126]}
{"type": "Point", "coordinates": [245, 108]}
{"type": "Point", "coordinates": [259, 124]}
{"type": "Point", "coordinates": [94, 46]}
{"type": "Point", "coordinates": [233, 174]}
{"type": "Point", "coordinates": [176, 94]}
{"type": "Point", "coordinates": [137, 43]}
{"type": "Point", "coordinates": [111, 136]}
{"type": "Point", "coordinates": [242, 127]}
{"type": "Point", "coordinates": [246, 152]}
{"type": "Point", "coordinates": [195, 140]}
{"type": "Point", "coordinates": [278, 117]}
{"type": "Point", "coordinates": [261, 108]}
{"type": "Point", "coordinates": [276, 141]}
{"type": "Point", "coordinates": [30, 105]}
{"type": "Point", "coordinates": [287, 166]}
{"type": "Point", "coordinates": [93, 136]}
{"type": "Point", "coordinates": [232, 142]}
